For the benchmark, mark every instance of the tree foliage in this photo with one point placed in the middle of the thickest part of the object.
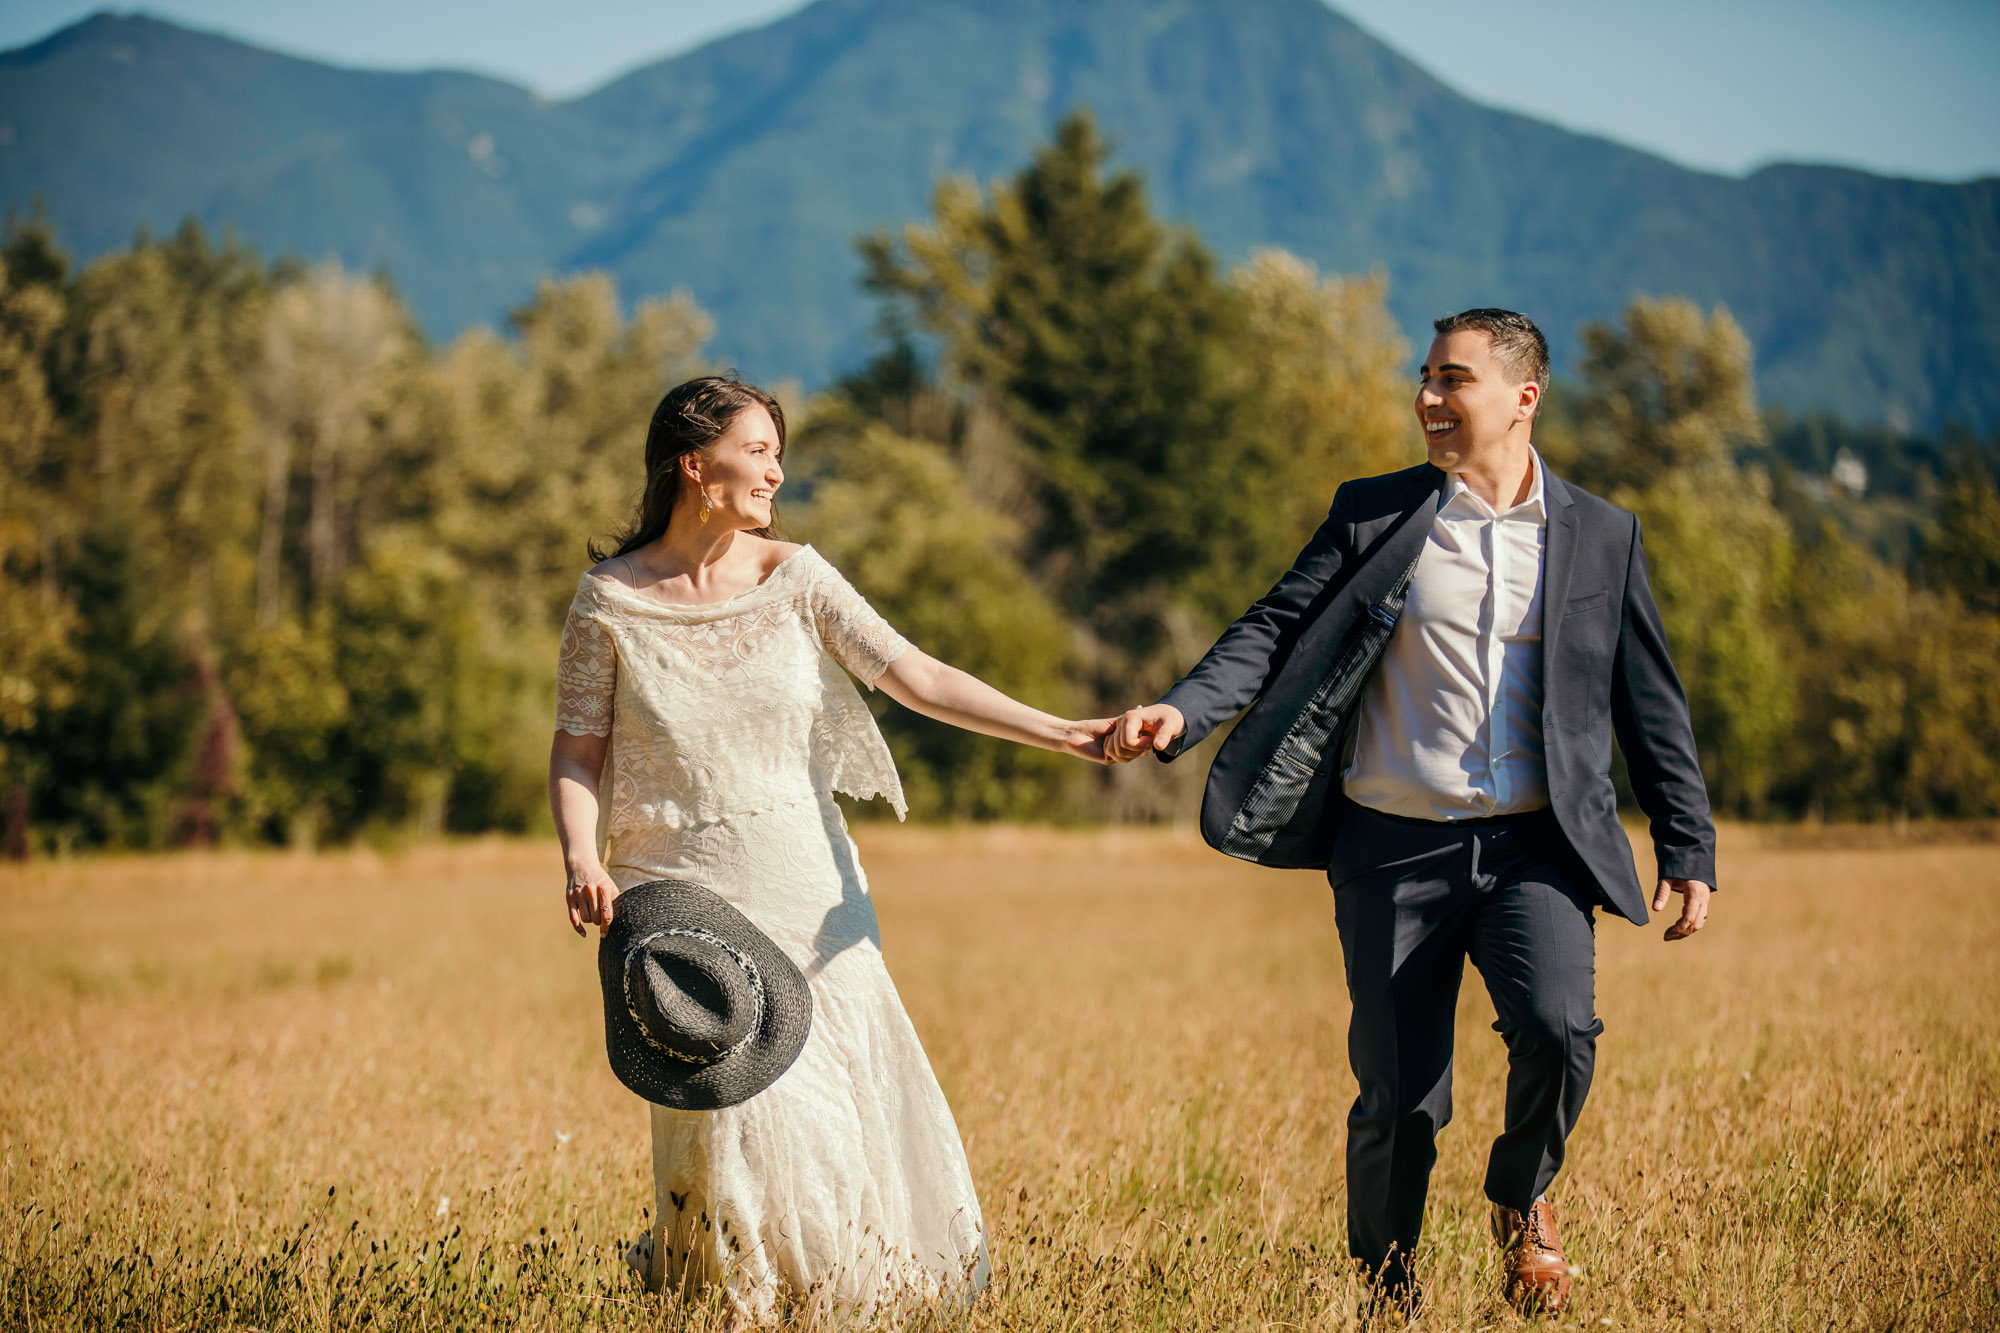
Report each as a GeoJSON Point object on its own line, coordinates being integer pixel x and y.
{"type": "Point", "coordinates": [272, 568]}
{"type": "Point", "coordinates": [1666, 403]}
{"type": "Point", "coordinates": [1820, 679]}
{"type": "Point", "coordinates": [1964, 551]}
{"type": "Point", "coordinates": [1165, 435]}
{"type": "Point", "coordinates": [895, 515]}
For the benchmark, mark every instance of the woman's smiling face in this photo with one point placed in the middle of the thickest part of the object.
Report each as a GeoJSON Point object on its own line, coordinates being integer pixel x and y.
{"type": "Point", "coordinates": [740, 473]}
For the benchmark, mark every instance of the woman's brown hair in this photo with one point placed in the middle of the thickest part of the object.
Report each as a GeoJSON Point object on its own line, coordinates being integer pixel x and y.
{"type": "Point", "coordinates": [690, 418]}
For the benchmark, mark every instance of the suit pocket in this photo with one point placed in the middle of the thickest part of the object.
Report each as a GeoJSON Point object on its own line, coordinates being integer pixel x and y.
{"type": "Point", "coordinates": [1590, 601]}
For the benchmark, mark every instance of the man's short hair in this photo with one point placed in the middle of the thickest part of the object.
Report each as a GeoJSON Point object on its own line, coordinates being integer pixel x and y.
{"type": "Point", "coordinates": [1517, 343]}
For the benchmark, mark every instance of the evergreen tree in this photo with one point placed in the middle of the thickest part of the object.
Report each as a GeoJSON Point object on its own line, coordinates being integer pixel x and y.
{"type": "Point", "coordinates": [37, 618]}
{"type": "Point", "coordinates": [1105, 341]}
{"type": "Point", "coordinates": [1179, 433]}
{"type": "Point", "coordinates": [1963, 553]}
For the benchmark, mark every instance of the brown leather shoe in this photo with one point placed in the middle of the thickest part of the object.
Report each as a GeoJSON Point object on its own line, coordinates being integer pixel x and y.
{"type": "Point", "coordinates": [1537, 1270]}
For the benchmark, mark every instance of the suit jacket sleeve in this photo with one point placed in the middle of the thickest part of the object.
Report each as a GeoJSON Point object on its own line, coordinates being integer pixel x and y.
{"type": "Point", "coordinates": [1649, 715]}
{"type": "Point", "coordinates": [1235, 670]}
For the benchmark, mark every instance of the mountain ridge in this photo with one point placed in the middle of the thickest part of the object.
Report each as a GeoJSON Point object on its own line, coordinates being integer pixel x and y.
{"type": "Point", "coordinates": [744, 169]}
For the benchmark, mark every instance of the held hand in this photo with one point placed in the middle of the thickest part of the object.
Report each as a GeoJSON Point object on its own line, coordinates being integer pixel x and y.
{"type": "Point", "coordinates": [1085, 739]}
{"type": "Point", "coordinates": [1152, 727]}
{"type": "Point", "coordinates": [590, 895]}
{"type": "Point", "coordinates": [1694, 906]}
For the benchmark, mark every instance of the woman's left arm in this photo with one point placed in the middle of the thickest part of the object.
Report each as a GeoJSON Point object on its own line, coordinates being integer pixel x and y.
{"type": "Point", "coordinates": [925, 685]}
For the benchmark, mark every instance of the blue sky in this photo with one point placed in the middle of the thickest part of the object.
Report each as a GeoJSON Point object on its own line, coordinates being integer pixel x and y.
{"type": "Point", "coordinates": [1907, 88]}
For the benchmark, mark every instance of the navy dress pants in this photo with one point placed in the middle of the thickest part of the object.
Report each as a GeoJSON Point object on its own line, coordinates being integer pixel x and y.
{"type": "Point", "coordinates": [1414, 899]}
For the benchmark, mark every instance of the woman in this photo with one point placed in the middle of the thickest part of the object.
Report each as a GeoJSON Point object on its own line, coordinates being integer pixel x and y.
{"type": "Point", "coordinates": [701, 657]}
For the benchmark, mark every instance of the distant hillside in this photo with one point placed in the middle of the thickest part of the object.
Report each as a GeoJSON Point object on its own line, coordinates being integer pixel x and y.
{"type": "Point", "coordinates": [742, 171]}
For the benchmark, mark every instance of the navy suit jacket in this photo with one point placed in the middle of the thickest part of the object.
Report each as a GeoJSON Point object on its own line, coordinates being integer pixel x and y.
{"type": "Point", "coordinates": [1605, 672]}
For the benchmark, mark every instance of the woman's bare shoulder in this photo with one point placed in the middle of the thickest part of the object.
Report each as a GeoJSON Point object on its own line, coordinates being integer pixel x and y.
{"type": "Point", "coordinates": [615, 569]}
{"type": "Point", "coordinates": [771, 553]}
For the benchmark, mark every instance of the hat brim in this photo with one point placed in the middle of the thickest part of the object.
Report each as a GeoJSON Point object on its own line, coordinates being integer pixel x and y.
{"type": "Point", "coordinates": [748, 1068]}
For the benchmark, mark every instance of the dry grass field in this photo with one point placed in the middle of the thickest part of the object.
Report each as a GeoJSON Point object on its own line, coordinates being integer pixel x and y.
{"type": "Point", "coordinates": [367, 1090]}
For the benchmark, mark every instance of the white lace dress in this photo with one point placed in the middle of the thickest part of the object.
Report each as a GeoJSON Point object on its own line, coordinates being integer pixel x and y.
{"type": "Point", "coordinates": [843, 1186]}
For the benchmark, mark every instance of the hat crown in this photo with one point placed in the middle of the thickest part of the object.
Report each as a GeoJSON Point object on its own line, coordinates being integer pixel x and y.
{"type": "Point", "coordinates": [692, 995]}
{"type": "Point", "coordinates": [701, 1008]}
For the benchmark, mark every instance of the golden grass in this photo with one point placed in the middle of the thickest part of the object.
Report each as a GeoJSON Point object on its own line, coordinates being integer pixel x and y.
{"type": "Point", "coordinates": [344, 1091]}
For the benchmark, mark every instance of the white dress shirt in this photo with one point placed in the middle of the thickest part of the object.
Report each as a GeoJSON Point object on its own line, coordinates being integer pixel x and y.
{"type": "Point", "coordinates": [1451, 722]}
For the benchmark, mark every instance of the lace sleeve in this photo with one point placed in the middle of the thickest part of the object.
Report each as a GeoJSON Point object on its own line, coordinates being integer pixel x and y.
{"type": "Point", "coordinates": [854, 632]}
{"type": "Point", "coordinates": [586, 673]}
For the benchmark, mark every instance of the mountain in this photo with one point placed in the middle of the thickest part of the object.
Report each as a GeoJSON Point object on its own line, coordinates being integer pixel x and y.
{"type": "Point", "coordinates": [743, 171]}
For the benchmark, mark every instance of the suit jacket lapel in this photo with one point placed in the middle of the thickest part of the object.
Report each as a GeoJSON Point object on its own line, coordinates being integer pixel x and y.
{"type": "Point", "coordinates": [1383, 546]}
{"type": "Point", "coordinates": [1558, 563]}
{"type": "Point", "coordinates": [1399, 540]}
{"type": "Point", "coordinates": [1398, 529]}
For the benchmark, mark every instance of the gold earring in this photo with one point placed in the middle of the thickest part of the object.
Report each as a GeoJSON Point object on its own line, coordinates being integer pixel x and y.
{"type": "Point", "coordinates": [707, 508]}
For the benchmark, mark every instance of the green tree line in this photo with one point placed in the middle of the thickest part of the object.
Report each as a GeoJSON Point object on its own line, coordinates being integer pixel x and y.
{"type": "Point", "coordinates": [273, 569]}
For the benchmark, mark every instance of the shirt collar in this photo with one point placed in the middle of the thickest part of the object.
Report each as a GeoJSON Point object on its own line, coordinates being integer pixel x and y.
{"type": "Point", "coordinates": [1457, 493]}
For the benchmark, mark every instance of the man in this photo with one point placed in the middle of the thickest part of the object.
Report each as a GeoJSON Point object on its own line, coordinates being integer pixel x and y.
{"type": "Point", "coordinates": [1438, 681]}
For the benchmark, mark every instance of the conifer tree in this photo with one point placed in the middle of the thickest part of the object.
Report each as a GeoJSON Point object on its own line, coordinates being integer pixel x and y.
{"type": "Point", "coordinates": [1181, 433]}
{"type": "Point", "coordinates": [1104, 339]}
{"type": "Point", "coordinates": [1963, 551]}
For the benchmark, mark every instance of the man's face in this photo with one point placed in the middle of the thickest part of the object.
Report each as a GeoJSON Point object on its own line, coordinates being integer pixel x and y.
{"type": "Point", "coordinates": [1468, 401]}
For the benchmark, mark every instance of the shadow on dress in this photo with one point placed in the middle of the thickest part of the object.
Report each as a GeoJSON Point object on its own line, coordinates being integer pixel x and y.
{"type": "Point", "coordinates": [852, 920]}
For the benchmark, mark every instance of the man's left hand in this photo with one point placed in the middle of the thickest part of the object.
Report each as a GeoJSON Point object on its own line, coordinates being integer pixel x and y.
{"type": "Point", "coordinates": [1694, 905]}
{"type": "Point", "coordinates": [1138, 730]}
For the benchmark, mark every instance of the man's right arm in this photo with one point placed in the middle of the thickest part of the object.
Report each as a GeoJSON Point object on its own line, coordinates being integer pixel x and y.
{"type": "Point", "coordinates": [1235, 670]}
